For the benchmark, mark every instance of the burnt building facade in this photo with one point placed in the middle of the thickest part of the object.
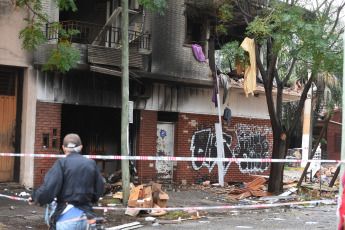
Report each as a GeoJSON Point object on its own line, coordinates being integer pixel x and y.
{"type": "Point", "coordinates": [173, 111]}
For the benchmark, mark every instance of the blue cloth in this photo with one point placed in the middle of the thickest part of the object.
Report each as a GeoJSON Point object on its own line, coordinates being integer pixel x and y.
{"type": "Point", "coordinates": [70, 214]}
{"type": "Point", "coordinates": [227, 115]}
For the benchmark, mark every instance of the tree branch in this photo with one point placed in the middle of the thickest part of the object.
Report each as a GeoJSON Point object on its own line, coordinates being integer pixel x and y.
{"type": "Point", "coordinates": [301, 105]}
{"type": "Point", "coordinates": [287, 78]}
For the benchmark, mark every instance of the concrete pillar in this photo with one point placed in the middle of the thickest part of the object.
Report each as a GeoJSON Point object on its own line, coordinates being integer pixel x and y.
{"type": "Point", "coordinates": [306, 129]}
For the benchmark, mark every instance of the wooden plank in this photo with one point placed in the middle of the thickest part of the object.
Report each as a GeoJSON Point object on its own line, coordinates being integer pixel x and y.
{"type": "Point", "coordinates": [108, 24]}
{"type": "Point", "coordinates": [113, 57]}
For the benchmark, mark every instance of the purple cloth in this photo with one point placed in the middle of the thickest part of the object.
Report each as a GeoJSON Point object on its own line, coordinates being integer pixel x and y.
{"type": "Point", "coordinates": [198, 54]}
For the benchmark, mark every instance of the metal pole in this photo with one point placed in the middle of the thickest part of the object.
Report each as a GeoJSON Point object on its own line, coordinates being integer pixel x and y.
{"type": "Point", "coordinates": [125, 101]}
{"type": "Point", "coordinates": [342, 130]}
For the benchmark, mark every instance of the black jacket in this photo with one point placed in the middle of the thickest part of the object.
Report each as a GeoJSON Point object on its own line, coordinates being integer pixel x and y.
{"type": "Point", "coordinates": [73, 179]}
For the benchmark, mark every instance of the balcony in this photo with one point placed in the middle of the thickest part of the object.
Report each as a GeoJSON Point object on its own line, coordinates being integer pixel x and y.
{"type": "Point", "coordinates": [100, 45]}
{"type": "Point", "coordinates": [99, 35]}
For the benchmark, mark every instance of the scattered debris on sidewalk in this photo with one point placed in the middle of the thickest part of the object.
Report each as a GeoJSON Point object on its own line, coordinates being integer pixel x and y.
{"type": "Point", "coordinates": [239, 191]}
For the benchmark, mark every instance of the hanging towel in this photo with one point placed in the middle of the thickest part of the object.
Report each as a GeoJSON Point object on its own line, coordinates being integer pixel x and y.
{"type": "Point", "coordinates": [227, 115]}
{"type": "Point", "coordinates": [226, 83]}
{"type": "Point", "coordinates": [250, 72]}
{"type": "Point", "coordinates": [198, 54]}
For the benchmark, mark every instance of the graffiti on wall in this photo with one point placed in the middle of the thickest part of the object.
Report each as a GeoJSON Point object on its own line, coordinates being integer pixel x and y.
{"type": "Point", "coordinates": [251, 143]}
{"type": "Point", "coordinates": [203, 144]}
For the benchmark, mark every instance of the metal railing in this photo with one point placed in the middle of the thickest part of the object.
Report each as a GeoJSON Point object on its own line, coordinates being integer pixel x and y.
{"type": "Point", "coordinates": [98, 34]}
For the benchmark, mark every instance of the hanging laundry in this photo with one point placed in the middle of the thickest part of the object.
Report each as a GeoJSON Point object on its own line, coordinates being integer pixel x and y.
{"type": "Point", "coordinates": [226, 83]}
{"type": "Point", "coordinates": [250, 72]}
{"type": "Point", "coordinates": [214, 95]}
{"type": "Point", "coordinates": [198, 54]}
{"type": "Point", "coordinates": [227, 115]}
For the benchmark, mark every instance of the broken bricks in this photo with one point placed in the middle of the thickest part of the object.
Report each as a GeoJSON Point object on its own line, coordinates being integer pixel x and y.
{"type": "Point", "coordinates": [253, 188]}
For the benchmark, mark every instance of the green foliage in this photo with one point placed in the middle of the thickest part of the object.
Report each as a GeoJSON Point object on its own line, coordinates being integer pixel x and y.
{"type": "Point", "coordinates": [62, 59]}
{"type": "Point", "coordinates": [66, 5]}
{"type": "Point", "coordinates": [156, 6]}
{"type": "Point", "coordinates": [298, 33]}
{"type": "Point", "coordinates": [225, 15]}
{"type": "Point", "coordinates": [32, 35]}
{"type": "Point", "coordinates": [232, 53]}
{"type": "Point", "coordinates": [65, 56]}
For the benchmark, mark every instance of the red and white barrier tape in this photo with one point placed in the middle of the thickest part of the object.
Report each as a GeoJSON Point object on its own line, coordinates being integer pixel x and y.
{"type": "Point", "coordinates": [206, 207]}
{"type": "Point", "coordinates": [155, 158]}
{"type": "Point", "coordinates": [225, 207]}
{"type": "Point", "coordinates": [14, 197]}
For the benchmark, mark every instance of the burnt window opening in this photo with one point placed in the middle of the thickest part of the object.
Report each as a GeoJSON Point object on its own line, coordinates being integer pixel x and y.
{"type": "Point", "coordinates": [45, 141]}
{"type": "Point", "coordinates": [54, 132]}
{"type": "Point", "coordinates": [194, 33]}
{"type": "Point", "coordinates": [54, 143]}
{"type": "Point", "coordinates": [7, 83]}
{"type": "Point", "coordinates": [197, 31]}
{"type": "Point", "coordinates": [168, 116]}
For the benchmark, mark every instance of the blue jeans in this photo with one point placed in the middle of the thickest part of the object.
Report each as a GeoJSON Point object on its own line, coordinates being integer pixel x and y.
{"type": "Point", "coordinates": [79, 223]}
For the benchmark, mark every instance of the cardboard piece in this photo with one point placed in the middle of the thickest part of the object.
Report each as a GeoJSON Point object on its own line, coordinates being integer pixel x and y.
{"type": "Point", "coordinates": [159, 197]}
{"type": "Point", "coordinates": [118, 195]}
{"type": "Point", "coordinates": [140, 197]}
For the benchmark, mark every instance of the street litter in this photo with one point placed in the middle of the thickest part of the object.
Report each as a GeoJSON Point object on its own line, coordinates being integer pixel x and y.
{"type": "Point", "coordinates": [24, 194]}
{"type": "Point", "coordinates": [126, 226]}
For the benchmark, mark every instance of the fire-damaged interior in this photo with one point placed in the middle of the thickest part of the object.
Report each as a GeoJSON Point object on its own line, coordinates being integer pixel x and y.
{"type": "Point", "coordinates": [100, 131]}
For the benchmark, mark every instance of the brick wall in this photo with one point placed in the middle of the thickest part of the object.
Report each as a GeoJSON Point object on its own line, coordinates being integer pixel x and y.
{"type": "Point", "coordinates": [195, 136]}
{"type": "Point", "coordinates": [146, 146]}
{"type": "Point", "coordinates": [48, 119]}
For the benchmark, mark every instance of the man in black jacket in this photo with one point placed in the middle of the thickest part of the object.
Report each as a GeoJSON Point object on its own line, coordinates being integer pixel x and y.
{"type": "Point", "coordinates": [76, 183]}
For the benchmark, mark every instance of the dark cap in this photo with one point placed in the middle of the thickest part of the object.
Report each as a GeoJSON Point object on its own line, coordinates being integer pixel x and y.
{"type": "Point", "coordinates": [71, 140]}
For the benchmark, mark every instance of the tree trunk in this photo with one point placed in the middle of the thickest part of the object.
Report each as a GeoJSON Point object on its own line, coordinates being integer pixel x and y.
{"type": "Point", "coordinates": [275, 184]}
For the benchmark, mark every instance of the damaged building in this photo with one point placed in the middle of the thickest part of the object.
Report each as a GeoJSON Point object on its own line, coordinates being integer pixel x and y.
{"type": "Point", "coordinates": [171, 91]}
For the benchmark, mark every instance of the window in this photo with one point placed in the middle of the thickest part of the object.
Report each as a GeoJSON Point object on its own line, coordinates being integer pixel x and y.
{"type": "Point", "coordinates": [97, 144]}
{"type": "Point", "coordinates": [45, 141]}
{"type": "Point", "coordinates": [7, 83]}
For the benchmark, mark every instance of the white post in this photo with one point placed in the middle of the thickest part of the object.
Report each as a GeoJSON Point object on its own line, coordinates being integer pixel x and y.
{"type": "Point", "coordinates": [306, 129]}
{"type": "Point", "coordinates": [220, 143]}
{"type": "Point", "coordinates": [342, 156]}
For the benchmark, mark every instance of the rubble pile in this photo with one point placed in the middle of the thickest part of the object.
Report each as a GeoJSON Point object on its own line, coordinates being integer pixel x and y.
{"type": "Point", "coordinates": [238, 191]}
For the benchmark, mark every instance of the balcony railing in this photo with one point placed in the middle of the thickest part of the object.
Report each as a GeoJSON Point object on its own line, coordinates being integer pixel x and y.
{"type": "Point", "coordinates": [98, 35]}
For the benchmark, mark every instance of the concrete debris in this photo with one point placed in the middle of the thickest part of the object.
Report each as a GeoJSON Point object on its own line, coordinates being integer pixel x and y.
{"type": "Point", "coordinates": [240, 191]}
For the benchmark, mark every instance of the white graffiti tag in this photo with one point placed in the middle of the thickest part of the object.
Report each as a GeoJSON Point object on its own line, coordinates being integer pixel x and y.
{"type": "Point", "coordinates": [204, 144]}
{"type": "Point", "coordinates": [252, 143]}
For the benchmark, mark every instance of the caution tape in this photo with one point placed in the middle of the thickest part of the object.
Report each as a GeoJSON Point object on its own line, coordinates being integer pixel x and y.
{"type": "Point", "coordinates": [13, 197]}
{"type": "Point", "coordinates": [255, 206]}
{"type": "Point", "coordinates": [160, 158]}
